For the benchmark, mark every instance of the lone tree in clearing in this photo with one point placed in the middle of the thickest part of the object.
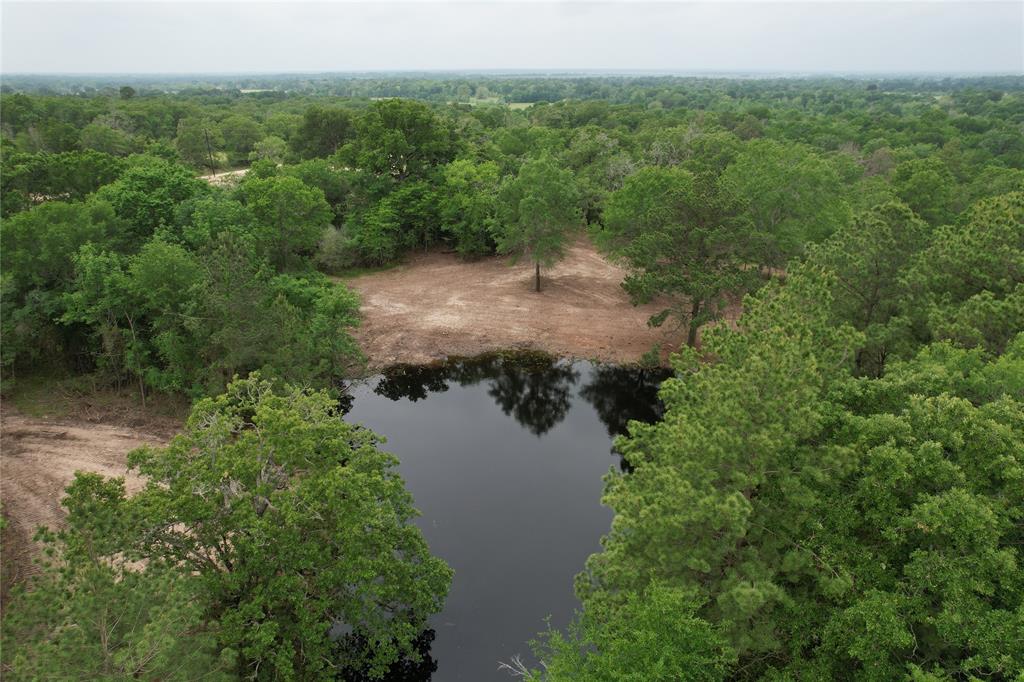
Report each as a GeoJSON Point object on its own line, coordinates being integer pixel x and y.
{"type": "Point", "coordinates": [538, 209]}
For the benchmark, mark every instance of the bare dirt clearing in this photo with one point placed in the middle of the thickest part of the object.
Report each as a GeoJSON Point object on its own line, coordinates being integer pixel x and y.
{"type": "Point", "coordinates": [436, 305]}
{"type": "Point", "coordinates": [39, 459]}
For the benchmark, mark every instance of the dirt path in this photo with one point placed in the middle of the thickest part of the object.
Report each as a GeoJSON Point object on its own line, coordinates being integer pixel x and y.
{"type": "Point", "coordinates": [436, 305]}
{"type": "Point", "coordinates": [225, 177]}
{"type": "Point", "coordinates": [38, 459]}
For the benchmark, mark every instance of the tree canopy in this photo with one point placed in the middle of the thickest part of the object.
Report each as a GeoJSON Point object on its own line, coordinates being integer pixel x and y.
{"type": "Point", "coordinates": [539, 211]}
{"type": "Point", "coordinates": [274, 531]}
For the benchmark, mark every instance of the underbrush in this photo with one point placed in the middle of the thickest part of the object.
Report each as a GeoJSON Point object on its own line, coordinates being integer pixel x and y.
{"type": "Point", "coordinates": [90, 397]}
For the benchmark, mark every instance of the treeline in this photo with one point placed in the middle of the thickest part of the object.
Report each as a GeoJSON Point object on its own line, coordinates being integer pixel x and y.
{"type": "Point", "coordinates": [162, 281]}
{"type": "Point", "coordinates": [522, 87]}
{"type": "Point", "coordinates": [834, 490]}
{"type": "Point", "coordinates": [774, 165]}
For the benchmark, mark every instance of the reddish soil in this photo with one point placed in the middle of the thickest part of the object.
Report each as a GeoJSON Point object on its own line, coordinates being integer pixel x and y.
{"type": "Point", "coordinates": [436, 305]}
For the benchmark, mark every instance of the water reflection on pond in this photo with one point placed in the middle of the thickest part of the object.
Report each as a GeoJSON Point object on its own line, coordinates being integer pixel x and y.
{"type": "Point", "coordinates": [504, 456]}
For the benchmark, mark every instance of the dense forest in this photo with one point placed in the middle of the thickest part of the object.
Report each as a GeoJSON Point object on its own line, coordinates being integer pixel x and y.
{"type": "Point", "coordinates": [834, 491]}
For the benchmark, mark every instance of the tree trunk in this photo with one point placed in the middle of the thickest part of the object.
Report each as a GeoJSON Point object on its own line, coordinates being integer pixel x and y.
{"type": "Point", "coordinates": [538, 276]}
{"type": "Point", "coordinates": [691, 338]}
{"type": "Point", "coordinates": [142, 384]}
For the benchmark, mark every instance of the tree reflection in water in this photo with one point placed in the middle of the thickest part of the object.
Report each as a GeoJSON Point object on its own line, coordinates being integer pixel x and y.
{"type": "Point", "coordinates": [537, 397]}
{"type": "Point", "coordinates": [532, 388]}
{"type": "Point", "coordinates": [412, 382]}
{"type": "Point", "coordinates": [536, 389]}
{"type": "Point", "coordinates": [624, 394]}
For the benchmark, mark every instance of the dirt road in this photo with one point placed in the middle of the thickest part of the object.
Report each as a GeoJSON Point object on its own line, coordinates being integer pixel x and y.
{"type": "Point", "coordinates": [436, 305]}
{"type": "Point", "coordinates": [225, 178]}
{"type": "Point", "coordinates": [39, 459]}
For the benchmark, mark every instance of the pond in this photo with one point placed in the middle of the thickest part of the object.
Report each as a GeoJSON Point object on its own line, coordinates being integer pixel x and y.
{"type": "Point", "coordinates": [504, 456]}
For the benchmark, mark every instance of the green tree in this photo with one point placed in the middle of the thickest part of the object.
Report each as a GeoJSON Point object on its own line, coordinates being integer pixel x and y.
{"type": "Point", "coordinates": [399, 138]}
{"type": "Point", "coordinates": [235, 331]}
{"type": "Point", "coordinates": [681, 236]}
{"type": "Point", "coordinates": [37, 252]}
{"type": "Point", "coordinates": [868, 259]}
{"type": "Point", "coordinates": [107, 139]}
{"type": "Point", "coordinates": [203, 218]}
{"type": "Point", "coordinates": [838, 528]}
{"type": "Point", "coordinates": [290, 217]}
{"type": "Point", "coordinates": [26, 178]}
{"type": "Point", "coordinates": [39, 245]}
{"type": "Point", "coordinates": [285, 472]}
{"type": "Point", "coordinates": [103, 299]}
{"type": "Point", "coordinates": [377, 234]}
{"type": "Point", "coordinates": [241, 133]}
{"type": "Point", "coordinates": [927, 186]}
{"type": "Point", "coordinates": [243, 318]}
{"type": "Point", "coordinates": [794, 196]}
{"type": "Point", "coordinates": [538, 210]}
{"type": "Point", "coordinates": [199, 142]}
{"type": "Point", "coordinates": [469, 205]}
{"type": "Point", "coordinates": [90, 616]}
{"type": "Point", "coordinates": [322, 131]}
{"type": "Point", "coordinates": [654, 637]}
{"type": "Point", "coordinates": [968, 284]}
{"type": "Point", "coordinates": [283, 125]}
{"type": "Point", "coordinates": [323, 174]}
{"type": "Point", "coordinates": [416, 205]}
{"type": "Point", "coordinates": [134, 305]}
{"type": "Point", "coordinates": [147, 194]}
{"type": "Point", "coordinates": [270, 148]}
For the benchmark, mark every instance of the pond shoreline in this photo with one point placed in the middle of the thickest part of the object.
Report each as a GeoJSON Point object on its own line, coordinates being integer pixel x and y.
{"type": "Point", "coordinates": [517, 355]}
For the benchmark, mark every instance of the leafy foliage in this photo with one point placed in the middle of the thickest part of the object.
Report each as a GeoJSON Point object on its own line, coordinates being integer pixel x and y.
{"type": "Point", "coordinates": [969, 282]}
{"type": "Point", "coordinates": [146, 195]}
{"type": "Point", "coordinates": [255, 469]}
{"type": "Point", "coordinates": [179, 582]}
{"type": "Point", "coordinates": [836, 527]}
{"type": "Point", "coordinates": [86, 617]}
{"type": "Point", "coordinates": [795, 196]}
{"type": "Point", "coordinates": [681, 236]}
{"type": "Point", "coordinates": [834, 490]}
{"type": "Point", "coordinates": [538, 210]}
{"type": "Point", "coordinates": [290, 217]}
{"type": "Point", "coordinates": [868, 259]}
{"type": "Point", "coordinates": [656, 637]}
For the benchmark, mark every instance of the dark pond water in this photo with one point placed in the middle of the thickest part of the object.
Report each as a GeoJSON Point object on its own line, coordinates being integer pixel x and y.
{"type": "Point", "coordinates": [504, 457]}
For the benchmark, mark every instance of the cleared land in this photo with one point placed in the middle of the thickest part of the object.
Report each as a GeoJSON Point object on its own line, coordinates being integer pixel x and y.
{"type": "Point", "coordinates": [432, 306]}
{"type": "Point", "coordinates": [436, 305]}
{"type": "Point", "coordinates": [39, 459]}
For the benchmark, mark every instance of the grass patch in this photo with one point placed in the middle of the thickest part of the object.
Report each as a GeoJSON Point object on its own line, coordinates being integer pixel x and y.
{"type": "Point", "coordinates": [58, 395]}
{"type": "Point", "coordinates": [359, 271]}
{"type": "Point", "coordinates": [40, 394]}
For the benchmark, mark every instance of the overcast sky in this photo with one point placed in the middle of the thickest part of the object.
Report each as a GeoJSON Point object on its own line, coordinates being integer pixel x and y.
{"type": "Point", "coordinates": [822, 36]}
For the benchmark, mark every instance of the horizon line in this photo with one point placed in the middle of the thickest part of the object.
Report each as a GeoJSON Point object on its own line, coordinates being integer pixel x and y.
{"type": "Point", "coordinates": [527, 71]}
